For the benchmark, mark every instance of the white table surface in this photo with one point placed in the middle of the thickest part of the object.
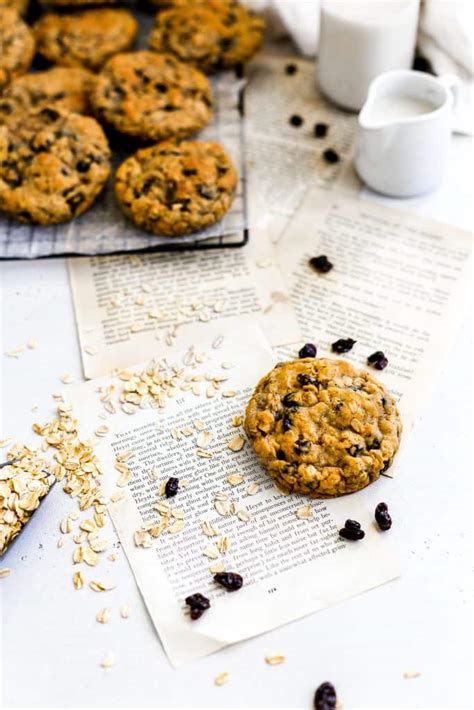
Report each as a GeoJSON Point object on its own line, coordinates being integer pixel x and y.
{"type": "Point", "coordinates": [52, 644]}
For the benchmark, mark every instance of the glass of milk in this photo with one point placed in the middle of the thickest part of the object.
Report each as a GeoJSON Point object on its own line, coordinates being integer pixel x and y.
{"type": "Point", "coordinates": [360, 39]}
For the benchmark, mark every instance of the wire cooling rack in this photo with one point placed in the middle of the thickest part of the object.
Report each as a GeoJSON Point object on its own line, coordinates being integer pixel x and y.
{"type": "Point", "coordinates": [104, 230]}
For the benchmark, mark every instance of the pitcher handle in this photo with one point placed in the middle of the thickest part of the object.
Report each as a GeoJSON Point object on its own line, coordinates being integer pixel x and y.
{"type": "Point", "coordinates": [453, 83]}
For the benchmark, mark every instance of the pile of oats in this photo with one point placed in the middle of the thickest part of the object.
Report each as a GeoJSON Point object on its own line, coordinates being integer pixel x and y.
{"type": "Point", "coordinates": [24, 482]}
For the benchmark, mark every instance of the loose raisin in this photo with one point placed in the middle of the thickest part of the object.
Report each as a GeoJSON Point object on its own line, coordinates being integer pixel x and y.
{"type": "Point", "coordinates": [171, 488]}
{"type": "Point", "coordinates": [325, 697]}
{"type": "Point", "coordinates": [330, 156]}
{"type": "Point", "coordinates": [352, 530]}
{"type": "Point", "coordinates": [296, 120]}
{"type": "Point", "coordinates": [343, 345]}
{"type": "Point", "coordinates": [321, 264]}
{"type": "Point", "coordinates": [291, 69]}
{"type": "Point", "coordinates": [378, 360]}
{"type": "Point", "coordinates": [198, 604]}
{"type": "Point", "coordinates": [308, 350]}
{"type": "Point", "coordinates": [320, 130]}
{"type": "Point", "coordinates": [382, 516]}
{"type": "Point", "coordinates": [230, 580]}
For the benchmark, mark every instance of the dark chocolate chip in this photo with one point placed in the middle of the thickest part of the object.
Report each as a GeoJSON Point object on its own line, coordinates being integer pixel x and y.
{"type": "Point", "coordinates": [296, 120]}
{"type": "Point", "coordinates": [330, 156]}
{"type": "Point", "coordinates": [321, 264]}
{"type": "Point", "coordinates": [320, 130]}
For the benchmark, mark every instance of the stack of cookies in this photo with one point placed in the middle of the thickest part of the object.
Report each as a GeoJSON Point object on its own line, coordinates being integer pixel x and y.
{"type": "Point", "coordinates": [55, 157]}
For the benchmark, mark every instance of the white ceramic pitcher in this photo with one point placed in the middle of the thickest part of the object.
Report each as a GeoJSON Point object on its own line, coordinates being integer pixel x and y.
{"type": "Point", "coordinates": [404, 132]}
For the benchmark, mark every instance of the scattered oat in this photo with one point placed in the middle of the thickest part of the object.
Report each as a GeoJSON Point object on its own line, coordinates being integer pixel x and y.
{"type": "Point", "coordinates": [108, 661]}
{"type": "Point", "coordinates": [305, 512]}
{"type": "Point", "coordinates": [78, 580]}
{"type": "Point", "coordinates": [244, 515]}
{"type": "Point", "coordinates": [263, 263]}
{"type": "Point", "coordinates": [4, 442]}
{"type": "Point", "coordinates": [229, 393]}
{"type": "Point", "coordinates": [32, 344]}
{"type": "Point", "coordinates": [411, 674]}
{"type": "Point", "coordinates": [177, 527]}
{"type": "Point", "coordinates": [102, 430]}
{"type": "Point", "coordinates": [112, 557]}
{"type": "Point", "coordinates": [136, 327]}
{"type": "Point", "coordinates": [90, 350]}
{"type": "Point", "coordinates": [125, 611]}
{"type": "Point", "coordinates": [237, 420]}
{"type": "Point", "coordinates": [142, 538]}
{"type": "Point", "coordinates": [274, 659]}
{"type": "Point", "coordinates": [223, 545]}
{"type": "Point", "coordinates": [208, 529]}
{"type": "Point", "coordinates": [204, 438]}
{"type": "Point", "coordinates": [14, 353]}
{"type": "Point", "coordinates": [66, 379]}
{"type": "Point", "coordinates": [217, 343]}
{"type": "Point", "coordinates": [236, 444]}
{"type": "Point", "coordinates": [253, 489]}
{"type": "Point", "coordinates": [221, 678]}
{"type": "Point", "coordinates": [235, 479]}
{"type": "Point", "coordinates": [211, 552]}
{"type": "Point", "coordinates": [60, 542]}
{"type": "Point", "coordinates": [218, 567]}
{"type": "Point", "coordinates": [103, 616]}
{"type": "Point", "coordinates": [115, 497]}
{"type": "Point", "coordinates": [5, 572]}
{"type": "Point", "coordinates": [101, 586]}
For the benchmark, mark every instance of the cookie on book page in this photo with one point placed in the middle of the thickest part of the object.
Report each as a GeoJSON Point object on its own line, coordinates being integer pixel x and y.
{"type": "Point", "coordinates": [17, 46]}
{"type": "Point", "coordinates": [85, 39]}
{"type": "Point", "coordinates": [53, 165]}
{"type": "Point", "coordinates": [217, 34]}
{"type": "Point", "coordinates": [322, 427]}
{"type": "Point", "coordinates": [176, 187]}
{"type": "Point", "coordinates": [60, 87]}
{"type": "Point", "coordinates": [152, 96]}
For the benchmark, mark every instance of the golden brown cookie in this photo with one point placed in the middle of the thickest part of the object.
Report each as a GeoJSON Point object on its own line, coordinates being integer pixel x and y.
{"type": "Point", "coordinates": [321, 427]}
{"type": "Point", "coordinates": [53, 165]}
{"type": "Point", "coordinates": [214, 35]}
{"type": "Point", "coordinates": [152, 96]}
{"type": "Point", "coordinates": [60, 87]}
{"type": "Point", "coordinates": [76, 3]}
{"type": "Point", "coordinates": [20, 6]}
{"type": "Point", "coordinates": [176, 187]}
{"type": "Point", "coordinates": [17, 46]}
{"type": "Point", "coordinates": [86, 39]}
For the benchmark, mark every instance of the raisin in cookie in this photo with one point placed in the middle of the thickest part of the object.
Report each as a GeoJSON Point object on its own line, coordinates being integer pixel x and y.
{"type": "Point", "coordinates": [86, 39]}
{"type": "Point", "coordinates": [17, 46]}
{"type": "Point", "coordinates": [214, 35]}
{"type": "Point", "coordinates": [53, 165]}
{"type": "Point", "coordinates": [176, 188]}
{"type": "Point", "coordinates": [60, 87]}
{"type": "Point", "coordinates": [322, 427]}
{"type": "Point", "coordinates": [152, 96]}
